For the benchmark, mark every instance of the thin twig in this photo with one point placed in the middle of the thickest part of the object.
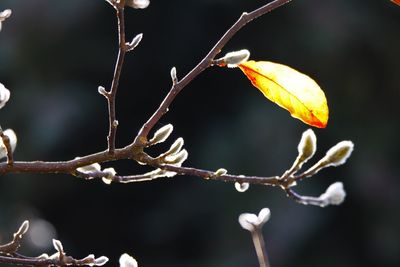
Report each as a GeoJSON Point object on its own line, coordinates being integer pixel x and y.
{"type": "Point", "coordinates": [111, 95]}
{"type": "Point", "coordinates": [259, 245]}
{"type": "Point", "coordinates": [204, 64]}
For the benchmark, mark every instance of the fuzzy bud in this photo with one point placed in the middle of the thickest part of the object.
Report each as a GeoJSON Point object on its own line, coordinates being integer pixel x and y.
{"type": "Point", "coordinates": [127, 261]}
{"type": "Point", "coordinates": [95, 167]}
{"type": "Point", "coordinates": [233, 59]}
{"type": "Point", "coordinates": [220, 172]}
{"type": "Point", "coordinates": [242, 187]}
{"type": "Point", "coordinates": [23, 228]}
{"type": "Point", "coordinates": [307, 146]}
{"type": "Point", "coordinates": [110, 174]}
{"type": "Point", "coordinates": [135, 42]}
{"type": "Point", "coordinates": [334, 194]}
{"type": "Point", "coordinates": [161, 134]}
{"type": "Point", "coordinates": [250, 221]}
{"type": "Point", "coordinates": [339, 153]}
{"type": "Point", "coordinates": [4, 15]}
{"type": "Point", "coordinates": [177, 159]}
{"type": "Point", "coordinates": [100, 261]}
{"type": "Point", "coordinates": [13, 142]}
{"type": "Point", "coordinates": [138, 4]}
{"type": "Point", "coordinates": [58, 246]}
{"type": "Point", "coordinates": [4, 94]}
{"type": "Point", "coordinates": [175, 147]}
{"type": "Point", "coordinates": [173, 75]}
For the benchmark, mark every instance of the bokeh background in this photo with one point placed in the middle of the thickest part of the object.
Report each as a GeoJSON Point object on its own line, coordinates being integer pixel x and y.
{"type": "Point", "coordinates": [54, 55]}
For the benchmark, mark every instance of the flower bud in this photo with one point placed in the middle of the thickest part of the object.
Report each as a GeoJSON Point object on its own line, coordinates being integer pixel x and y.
{"type": "Point", "coordinates": [101, 261]}
{"type": "Point", "coordinates": [58, 245]}
{"type": "Point", "coordinates": [4, 95]}
{"type": "Point", "coordinates": [135, 41]}
{"type": "Point", "coordinates": [241, 187]}
{"type": "Point", "coordinates": [338, 154]}
{"type": "Point", "coordinates": [175, 147]}
{"type": "Point", "coordinates": [23, 228]}
{"type": "Point", "coordinates": [161, 134]}
{"type": "Point", "coordinates": [139, 4]}
{"type": "Point", "coordinates": [220, 172]}
{"type": "Point", "coordinates": [95, 167]}
{"type": "Point", "coordinates": [110, 174]}
{"type": "Point", "coordinates": [334, 194]}
{"type": "Point", "coordinates": [233, 59]}
{"type": "Point", "coordinates": [250, 221]}
{"type": "Point", "coordinates": [307, 146]}
{"type": "Point", "coordinates": [13, 142]}
{"type": "Point", "coordinates": [173, 75]}
{"type": "Point", "coordinates": [4, 14]}
{"type": "Point", "coordinates": [177, 159]}
{"type": "Point", "coordinates": [127, 261]}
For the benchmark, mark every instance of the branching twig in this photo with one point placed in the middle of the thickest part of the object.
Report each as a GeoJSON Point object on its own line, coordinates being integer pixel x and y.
{"type": "Point", "coordinates": [111, 95]}
{"type": "Point", "coordinates": [204, 64]}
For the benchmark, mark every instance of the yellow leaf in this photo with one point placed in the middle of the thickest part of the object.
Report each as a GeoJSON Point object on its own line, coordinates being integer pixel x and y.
{"type": "Point", "coordinates": [290, 89]}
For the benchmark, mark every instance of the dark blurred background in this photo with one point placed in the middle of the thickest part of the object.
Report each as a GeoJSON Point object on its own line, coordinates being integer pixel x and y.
{"type": "Point", "coordinates": [54, 55]}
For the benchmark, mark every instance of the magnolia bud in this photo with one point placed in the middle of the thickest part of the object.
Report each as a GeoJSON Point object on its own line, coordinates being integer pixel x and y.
{"type": "Point", "coordinates": [135, 41]}
{"type": "Point", "coordinates": [334, 194]}
{"type": "Point", "coordinates": [338, 154]}
{"type": "Point", "coordinates": [242, 187]}
{"type": "Point", "coordinates": [23, 228]}
{"type": "Point", "coordinates": [161, 134]}
{"type": "Point", "coordinates": [127, 261]}
{"type": "Point", "coordinates": [307, 146]}
{"type": "Point", "coordinates": [175, 147]}
{"type": "Point", "coordinates": [58, 245]}
{"type": "Point", "coordinates": [233, 59]}
{"type": "Point", "coordinates": [177, 159]}
{"type": "Point", "coordinates": [101, 261]}
{"type": "Point", "coordinates": [220, 172]}
{"type": "Point", "coordinates": [4, 94]}
{"type": "Point", "coordinates": [141, 4]}
{"type": "Point", "coordinates": [13, 142]}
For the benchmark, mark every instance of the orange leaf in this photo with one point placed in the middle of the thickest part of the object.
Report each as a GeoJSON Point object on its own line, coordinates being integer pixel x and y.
{"type": "Point", "coordinates": [397, 2]}
{"type": "Point", "coordinates": [290, 89]}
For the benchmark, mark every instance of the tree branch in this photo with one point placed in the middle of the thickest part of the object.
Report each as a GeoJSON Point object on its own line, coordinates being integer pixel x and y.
{"type": "Point", "coordinates": [204, 64]}
{"type": "Point", "coordinates": [111, 95]}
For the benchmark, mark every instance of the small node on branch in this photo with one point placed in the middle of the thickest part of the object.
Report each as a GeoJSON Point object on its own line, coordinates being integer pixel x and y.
{"type": "Point", "coordinates": [110, 174]}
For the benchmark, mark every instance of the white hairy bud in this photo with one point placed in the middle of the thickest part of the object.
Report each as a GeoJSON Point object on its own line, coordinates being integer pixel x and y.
{"type": "Point", "coordinates": [23, 228]}
{"type": "Point", "coordinates": [178, 158]}
{"type": "Point", "coordinates": [95, 167]}
{"type": "Point", "coordinates": [110, 174]}
{"type": "Point", "coordinates": [4, 94]}
{"type": "Point", "coordinates": [233, 59]}
{"type": "Point", "coordinates": [307, 146]}
{"type": "Point", "coordinates": [58, 245]}
{"type": "Point", "coordinates": [13, 142]}
{"type": "Point", "coordinates": [175, 147]}
{"type": "Point", "coordinates": [100, 261]}
{"type": "Point", "coordinates": [339, 153]}
{"type": "Point", "coordinates": [242, 187]}
{"type": "Point", "coordinates": [4, 15]}
{"type": "Point", "coordinates": [139, 4]}
{"type": "Point", "coordinates": [161, 134]}
{"type": "Point", "coordinates": [135, 41]}
{"type": "Point", "coordinates": [127, 261]}
{"type": "Point", "coordinates": [173, 75]}
{"type": "Point", "coordinates": [220, 172]}
{"type": "Point", "coordinates": [334, 194]}
{"type": "Point", "coordinates": [250, 221]}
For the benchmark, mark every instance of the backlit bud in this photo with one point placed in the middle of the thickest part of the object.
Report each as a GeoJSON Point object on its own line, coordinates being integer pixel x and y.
{"type": "Point", "coordinates": [334, 194]}
{"type": "Point", "coordinates": [101, 261]}
{"type": "Point", "coordinates": [339, 153]}
{"type": "Point", "coordinates": [233, 59]}
{"type": "Point", "coordinates": [127, 261]}
{"type": "Point", "coordinates": [141, 4]}
{"type": "Point", "coordinates": [13, 142]}
{"type": "Point", "coordinates": [135, 41]}
{"type": "Point", "coordinates": [242, 187]}
{"type": "Point", "coordinates": [220, 172]}
{"type": "Point", "coordinates": [161, 134]}
{"type": "Point", "coordinates": [4, 93]}
{"type": "Point", "coordinates": [307, 145]}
